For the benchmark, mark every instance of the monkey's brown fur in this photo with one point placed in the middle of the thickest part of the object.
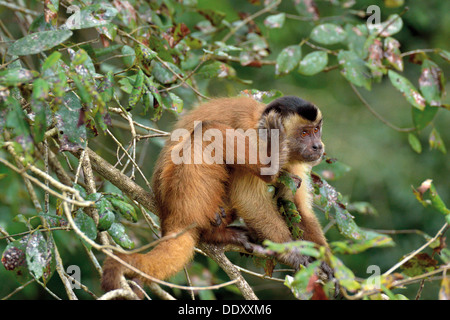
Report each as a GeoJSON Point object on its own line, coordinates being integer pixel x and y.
{"type": "Point", "coordinates": [210, 196]}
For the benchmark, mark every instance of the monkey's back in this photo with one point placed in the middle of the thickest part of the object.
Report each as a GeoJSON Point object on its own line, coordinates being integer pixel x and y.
{"type": "Point", "coordinates": [237, 113]}
{"type": "Point", "coordinates": [192, 193]}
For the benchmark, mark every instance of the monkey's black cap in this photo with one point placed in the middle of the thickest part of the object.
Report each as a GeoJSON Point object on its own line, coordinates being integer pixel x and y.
{"type": "Point", "coordinates": [292, 104]}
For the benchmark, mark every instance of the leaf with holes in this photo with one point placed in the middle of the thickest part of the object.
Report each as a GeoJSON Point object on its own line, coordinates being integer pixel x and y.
{"type": "Point", "coordinates": [86, 224]}
{"type": "Point", "coordinates": [431, 83]}
{"type": "Point", "coordinates": [414, 142]}
{"type": "Point", "coordinates": [117, 232]}
{"type": "Point", "coordinates": [14, 260]}
{"type": "Point", "coordinates": [95, 15]}
{"type": "Point", "coordinates": [313, 63]}
{"type": "Point", "coordinates": [328, 34]}
{"type": "Point", "coordinates": [39, 256]}
{"type": "Point", "coordinates": [388, 28]}
{"type": "Point", "coordinates": [409, 91]}
{"type": "Point", "coordinates": [288, 60]}
{"type": "Point", "coordinates": [354, 69]}
{"type": "Point", "coordinates": [39, 42]}
{"type": "Point", "coordinates": [16, 76]}
{"type": "Point", "coordinates": [72, 135]}
{"type": "Point", "coordinates": [436, 142]}
{"type": "Point", "coordinates": [275, 21]}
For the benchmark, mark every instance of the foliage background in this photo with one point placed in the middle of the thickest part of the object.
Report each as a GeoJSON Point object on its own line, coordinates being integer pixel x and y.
{"type": "Point", "coordinates": [383, 164]}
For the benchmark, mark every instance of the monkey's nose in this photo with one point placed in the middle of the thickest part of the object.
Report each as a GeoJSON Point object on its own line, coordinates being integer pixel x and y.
{"type": "Point", "coordinates": [317, 147]}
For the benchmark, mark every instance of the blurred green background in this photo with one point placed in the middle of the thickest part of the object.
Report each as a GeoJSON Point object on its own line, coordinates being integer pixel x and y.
{"type": "Point", "coordinates": [383, 165]}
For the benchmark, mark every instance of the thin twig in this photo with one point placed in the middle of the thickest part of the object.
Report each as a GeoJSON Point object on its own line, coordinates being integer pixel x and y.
{"type": "Point", "coordinates": [412, 254]}
{"type": "Point", "coordinates": [250, 18]}
{"type": "Point", "coordinates": [79, 203]}
{"type": "Point", "coordinates": [379, 117]}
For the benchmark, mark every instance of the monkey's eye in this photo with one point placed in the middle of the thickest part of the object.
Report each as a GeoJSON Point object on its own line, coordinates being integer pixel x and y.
{"type": "Point", "coordinates": [316, 129]}
{"type": "Point", "coordinates": [304, 133]}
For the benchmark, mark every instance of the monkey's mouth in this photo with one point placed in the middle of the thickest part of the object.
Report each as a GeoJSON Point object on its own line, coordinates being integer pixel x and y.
{"type": "Point", "coordinates": [312, 157]}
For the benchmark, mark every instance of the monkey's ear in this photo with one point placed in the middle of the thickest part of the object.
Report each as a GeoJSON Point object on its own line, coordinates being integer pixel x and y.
{"type": "Point", "coordinates": [271, 120]}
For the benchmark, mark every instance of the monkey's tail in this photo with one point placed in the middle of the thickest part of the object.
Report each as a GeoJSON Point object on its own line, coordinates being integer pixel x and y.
{"type": "Point", "coordinates": [163, 261]}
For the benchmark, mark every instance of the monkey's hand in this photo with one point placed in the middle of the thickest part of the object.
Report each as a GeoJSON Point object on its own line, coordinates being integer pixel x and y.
{"type": "Point", "coordinates": [220, 215]}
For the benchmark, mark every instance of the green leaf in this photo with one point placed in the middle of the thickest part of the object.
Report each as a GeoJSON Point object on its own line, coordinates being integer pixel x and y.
{"type": "Point", "coordinates": [344, 275]}
{"type": "Point", "coordinates": [414, 142]}
{"type": "Point", "coordinates": [125, 209]}
{"type": "Point", "coordinates": [388, 28]}
{"type": "Point", "coordinates": [444, 54]}
{"type": "Point", "coordinates": [299, 284]}
{"type": "Point", "coordinates": [289, 211]}
{"type": "Point", "coordinates": [105, 213]}
{"type": "Point", "coordinates": [16, 118]}
{"type": "Point", "coordinates": [163, 74]}
{"type": "Point", "coordinates": [291, 181]}
{"type": "Point", "coordinates": [73, 136]}
{"type": "Point", "coordinates": [421, 118]}
{"type": "Point", "coordinates": [288, 60]}
{"type": "Point", "coordinates": [144, 56]}
{"type": "Point", "coordinates": [331, 169]}
{"type": "Point", "coordinates": [356, 39]}
{"type": "Point", "coordinates": [263, 96]}
{"type": "Point", "coordinates": [313, 63]}
{"type": "Point", "coordinates": [362, 207]}
{"type": "Point", "coordinates": [407, 89]}
{"type": "Point", "coordinates": [128, 56]}
{"type": "Point", "coordinates": [51, 60]}
{"type": "Point", "coordinates": [86, 224]}
{"type": "Point", "coordinates": [347, 225]}
{"type": "Point", "coordinates": [106, 87]}
{"type": "Point", "coordinates": [95, 15]}
{"type": "Point", "coordinates": [176, 103]}
{"type": "Point", "coordinates": [330, 199]}
{"type": "Point", "coordinates": [156, 98]}
{"type": "Point", "coordinates": [39, 42]}
{"type": "Point", "coordinates": [392, 53]}
{"type": "Point", "coordinates": [216, 69]}
{"type": "Point", "coordinates": [436, 142]}
{"type": "Point", "coordinates": [444, 291]}
{"type": "Point", "coordinates": [375, 59]}
{"type": "Point", "coordinates": [214, 16]}
{"type": "Point", "coordinates": [431, 83]}
{"type": "Point", "coordinates": [39, 256]}
{"type": "Point", "coordinates": [40, 89]}
{"type": "Point", "coordinates": [328, 34]}
{"type": "Point", "coordinates": [275, 21]}
{"type": "Point", "coordinates": [137, 91]}
{"type": "Point", "coordinates": [117, 232]}
{"type": "Point", "coordinates": [419, 264]}
{"type": "Point", "coordinates": [307, 9]}
{"type": "Point", "coordinates": [17, 76]}
{"type": "Point", "coordinates": [354, 69]}
{"type": "Point", "coordinates": [355, 247]}
{"type": "Point", "coordinates": [14, 259]}
{"type": "Point", "coordinates": [307, 248]}
{"type": "Point", "coordinates": [427, 195]}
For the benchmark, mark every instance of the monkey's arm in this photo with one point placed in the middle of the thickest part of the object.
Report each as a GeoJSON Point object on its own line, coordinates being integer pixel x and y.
{"type": "Point", "coordinates": [256, 207]}
{"type": "Point", "coordinates": [312, 230]}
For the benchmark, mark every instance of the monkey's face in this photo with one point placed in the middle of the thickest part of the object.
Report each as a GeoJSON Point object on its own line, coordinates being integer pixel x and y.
{"type": "Point", "coordinates": [305, 143]}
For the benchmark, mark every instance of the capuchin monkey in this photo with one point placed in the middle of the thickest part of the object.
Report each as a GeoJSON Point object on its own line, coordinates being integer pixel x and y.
{"type": "Point", "coordinates": [209, 185]}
